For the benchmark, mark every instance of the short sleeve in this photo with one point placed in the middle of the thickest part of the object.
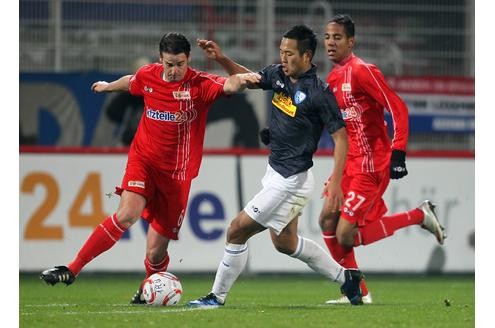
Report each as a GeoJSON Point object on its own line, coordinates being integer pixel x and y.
{"type": "Point", "coordinates": [212, 87]}
{"type": "Point", "coordinates": [329, 110]}
{"type": "Point", "coordinates": [135, 83]}
{"type": "Point", "coordinates": [266, 77]}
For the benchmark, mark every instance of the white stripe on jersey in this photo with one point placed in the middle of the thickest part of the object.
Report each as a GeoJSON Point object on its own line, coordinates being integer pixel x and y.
{"type": "Point", "coordinates": [174, 174]}
{"type": "Point", "coordinates": [367, 165]}
{"type": "Point", "coordinates": [187, 149]}
{"type": "Point", "coordinates": [386, 99]}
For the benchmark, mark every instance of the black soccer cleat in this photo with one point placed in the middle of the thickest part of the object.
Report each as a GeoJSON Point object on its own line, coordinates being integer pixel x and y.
{"type": "Point", "coordinates": [352, 286]}
{"type": "Point", "coordinates": [58, 274]}
{"type": "Point", "coordinates": [138, 297]}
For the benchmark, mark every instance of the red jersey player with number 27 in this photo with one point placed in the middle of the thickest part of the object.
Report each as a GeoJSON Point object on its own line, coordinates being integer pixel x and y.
{"type": "Point", "coordinates": [372, 159]}
{"type": "Point", "coordinates": [165, 155]}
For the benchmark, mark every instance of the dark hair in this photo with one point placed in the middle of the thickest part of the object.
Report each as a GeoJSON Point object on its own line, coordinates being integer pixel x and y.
{"type": "Point", "coordinates": [306, 38]}
{"type": "Point", "coordinates": [346, 21]}
{"type": "Point", "coordinates": [174, 43]}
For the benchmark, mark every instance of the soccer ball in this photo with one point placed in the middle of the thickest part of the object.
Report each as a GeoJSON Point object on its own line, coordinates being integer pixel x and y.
{"type": "Point", "coordinates": [162, 288]}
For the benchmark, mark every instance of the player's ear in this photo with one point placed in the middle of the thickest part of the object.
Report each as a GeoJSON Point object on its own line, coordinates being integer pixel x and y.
{"type": "Point", "coordinates": [352, 42]}
{"type": "Point", "coordinates": [160, 58]}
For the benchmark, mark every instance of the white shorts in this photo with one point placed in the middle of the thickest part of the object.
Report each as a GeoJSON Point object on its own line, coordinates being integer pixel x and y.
{"type": "Point", "coordinates": [281, 199]}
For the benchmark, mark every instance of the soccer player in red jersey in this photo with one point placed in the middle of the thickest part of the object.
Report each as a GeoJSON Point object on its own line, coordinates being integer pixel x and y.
{"type": "Point", "coordinates": [362, 93]}
{"type": "Point", "coordinates": [165, 154]}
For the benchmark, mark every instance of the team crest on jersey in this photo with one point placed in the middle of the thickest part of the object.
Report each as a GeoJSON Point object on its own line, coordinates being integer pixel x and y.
{"type": "Point", "coordinates": [299, 97]}
{"type": "Point", "coordinates": [346, 87]}
{"type": "Point", "coordinates": [284, 103]}
{"type": "Point", "coordinates": [182, 95]}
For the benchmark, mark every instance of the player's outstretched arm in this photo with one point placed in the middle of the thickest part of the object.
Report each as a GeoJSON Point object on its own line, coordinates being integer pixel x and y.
{"type": "Point", "coordinates": [238, 82]}
{"type": "Point", "coordinates": [121, 84]}
{"type": "Point", "coordinates": [213, 51]}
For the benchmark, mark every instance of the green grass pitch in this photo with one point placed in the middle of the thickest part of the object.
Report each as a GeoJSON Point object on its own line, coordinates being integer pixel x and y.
{"type": "Point", "coordinates": [101, 300]}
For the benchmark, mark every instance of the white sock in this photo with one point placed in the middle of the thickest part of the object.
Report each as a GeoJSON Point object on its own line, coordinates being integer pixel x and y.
{"type": "Point", "coordinates": [317, 259]}
{"type": "Point", "coordinates": [233, 263]}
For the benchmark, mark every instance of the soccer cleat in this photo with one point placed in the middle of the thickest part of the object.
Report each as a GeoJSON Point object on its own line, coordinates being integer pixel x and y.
{"type": "Point", "coordinates": [58, 274]}
{"type": "Point", "coordinates": [208, 301]}
{"type": "Point", "coordinates": [367, 299]}
{"type": "Point", "coordinates": [138, 297]}
{"type": "Point", "coordinates": [430, 222]}
{"type": "Point", "coordinates": [351, 287]}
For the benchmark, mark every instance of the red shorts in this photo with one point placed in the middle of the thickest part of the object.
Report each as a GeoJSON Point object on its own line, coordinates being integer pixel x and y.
{"type": "Point", "coordinates": [363, 193]}
{"type": "Point", "coordinates": [166, 198]}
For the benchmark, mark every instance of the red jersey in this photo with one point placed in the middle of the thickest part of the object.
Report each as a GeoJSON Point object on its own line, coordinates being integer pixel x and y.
{"type": "Point", "coordinates": [362, 94]}
{"type": "Point", "coordinates": [171, 131]}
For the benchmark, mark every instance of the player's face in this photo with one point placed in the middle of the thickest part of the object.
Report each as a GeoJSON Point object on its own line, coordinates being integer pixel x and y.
{"type": "Point", "coordinates": [337, 44]}
{"type": "Point", "coordinates": [293, 63]}
{"type": "Point", "coordinates": [174, 66]}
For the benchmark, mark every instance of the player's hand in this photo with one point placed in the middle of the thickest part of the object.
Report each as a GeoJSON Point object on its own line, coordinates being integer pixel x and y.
{"type": "Point", "coordinates": [398, 164]}
{"type": "Point", "coordinates": [210, 48]}
{"type": "Point", "coordinates": [334, 194]}
{"type": "Point", "coordinates": [249, 78]}
{"type": "Point", "coordinates": [100, 86]}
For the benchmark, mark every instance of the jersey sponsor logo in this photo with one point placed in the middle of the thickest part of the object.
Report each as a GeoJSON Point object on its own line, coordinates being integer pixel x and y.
{"type": "Point", "coordinates": [284, 103]}
{"type": "Point", "coordinates": [182, 95]}
{"type": "Point", "coordinates": [346, 87]}
{"type": "Point", "coordinates": [148, 89]}
{"type": "Point", "coordinates": [349, 113]}
{"type": "Point", "coordinates": [139, 184]}
{"type": "Point", "coordinates": [177, 117]}
{"type": "Point", "coordinates": [299, 97]}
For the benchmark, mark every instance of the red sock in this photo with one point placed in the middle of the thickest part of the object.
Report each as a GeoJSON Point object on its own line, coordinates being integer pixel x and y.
{"type": "Point", "coordinates": [364, 288]}
{"type": "Point", "coordinates": [343, 255]}
{"type": "Point", "coordinates": [152, 268]}
{"type": "Point", "coordinates": [386, 226]}
{"type": "Point", "coordinates": [103, 238]}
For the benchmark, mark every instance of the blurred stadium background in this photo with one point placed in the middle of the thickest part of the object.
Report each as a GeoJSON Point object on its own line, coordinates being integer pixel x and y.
{"type": "Point", "coordinates": [423, 39]}
{"type": "Point", "coordinates": [424, 47]}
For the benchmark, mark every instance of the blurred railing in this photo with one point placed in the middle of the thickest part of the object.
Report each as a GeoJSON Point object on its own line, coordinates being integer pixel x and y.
{"type": "Point", "coordinates": [414, 38]}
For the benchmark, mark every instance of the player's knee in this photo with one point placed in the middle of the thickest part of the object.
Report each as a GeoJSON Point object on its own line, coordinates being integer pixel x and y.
{"type": "Point", "coordinates": [327, 221]}
{"type": "Point", "coordinates": [345, 239]}
{"type": "Point", "coordinates": [127, 217]}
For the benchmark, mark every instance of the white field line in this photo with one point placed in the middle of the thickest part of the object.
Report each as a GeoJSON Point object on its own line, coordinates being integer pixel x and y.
{"type": "Point", "coordinates": [133, 311]}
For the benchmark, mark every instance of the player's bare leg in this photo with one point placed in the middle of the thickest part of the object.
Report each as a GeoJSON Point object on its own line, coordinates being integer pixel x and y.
{"type": "Point", "coordinates": [156, 259]}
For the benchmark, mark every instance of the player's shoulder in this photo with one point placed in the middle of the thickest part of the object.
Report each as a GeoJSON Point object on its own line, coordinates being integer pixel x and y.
{"type": "Point", "coordinates": [197, 76]}
{"type": "Point", "coordinates": [149, 70]}
{"type": "Point", "coordinates": [150, 67]}
{"type": "Point", "coordinates": [272, 69]}
{"type": "Point", "coordinates": [359, 65]}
